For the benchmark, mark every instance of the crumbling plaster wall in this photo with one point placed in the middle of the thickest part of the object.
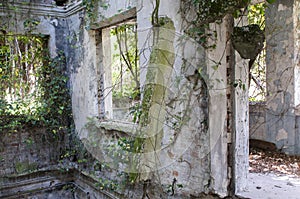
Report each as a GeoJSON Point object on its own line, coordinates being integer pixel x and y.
{"type": "Point", "coordinates": [14, 23]}
{"type": "Point", "coordinates": [277, 119]}
{"type": "Point", "coordinates": [218, 104]}
{"type": "Point", "coordinates": [188, 158]}
{"type": "Point", "coordinates": [198, 159]}
{"type": "Point", "coordinates": [69, 41]}
{"type": "Point", "coordinates": [200, 167]}
{"type": "Point", "coordinates": [82, 64]}
{"type": "Point", "coordinates": [27, 150]}
{"type": "Point", "coordinates": [282, 60]}
{"type": "Point", "coordinates": [241, 124]}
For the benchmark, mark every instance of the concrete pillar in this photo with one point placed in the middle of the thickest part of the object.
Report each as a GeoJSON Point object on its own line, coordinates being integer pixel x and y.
{"type": "Point", "coordinates": [240, 126]}
{"type": "Point", "coordinates": [217, 81]}
{"type": "Point", "coordinates": [282, 59]}
{"type": "Point", "coordinates": [239, 75]}
{"type": "Point", "coordinates": [229, 128]}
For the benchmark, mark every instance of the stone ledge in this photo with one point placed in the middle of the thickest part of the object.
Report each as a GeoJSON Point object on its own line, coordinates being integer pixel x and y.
{"type": "Point", "coordinates": [121, 126]}
{"type": "Point", "coordinates": [46, 9]}
{"type": "Point", "coordinates": [124, 16]}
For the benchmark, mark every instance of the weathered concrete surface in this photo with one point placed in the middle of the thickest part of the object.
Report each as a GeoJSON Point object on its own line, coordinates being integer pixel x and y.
{"type": "Point", "coordinates": [189, 158]}
{"type": "Point", "coordinates": [218, 104]}
{"type": "Point", "coordinates": [194, 146]}
{"type": "Point", "coordinates": [197, 156]}
{"type": "Point", "coordinates": [272, 186]}
{"type": "Point", "coordinates": [241, 124]}
{"type": "Point", "coordinates": [257, 121]}
{"type": "Point", "coordinates": [282, 74]}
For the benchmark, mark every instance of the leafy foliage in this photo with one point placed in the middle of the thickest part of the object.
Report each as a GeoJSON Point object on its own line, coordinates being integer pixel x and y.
{"type": "Point", "coordinates": [90, 6]}
{"type": "Point", "coordinates": [55, 109]}
{"type": "Point", "coordinates": [33, 88]}
{"type": "Point", "coordinates": [198, 14]}
{"type": "Point", "coordinates": [257, 91]}
{"type": "Point", "coordinates": [256, 14]}
{"type": "Point", "coordinates": [125, 63]}
{"type": "Point", "coordinates": [209, 11]}
{"type": "Point", "coordinates": [91, 13]}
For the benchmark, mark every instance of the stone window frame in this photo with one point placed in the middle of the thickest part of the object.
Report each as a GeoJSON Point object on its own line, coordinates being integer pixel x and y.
{"type": "Point", "coordinates": [104, 94]}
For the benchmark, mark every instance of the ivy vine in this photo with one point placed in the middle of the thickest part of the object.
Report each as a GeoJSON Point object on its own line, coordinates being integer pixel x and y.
{"type": "Point", "coordinates": [33, 86]}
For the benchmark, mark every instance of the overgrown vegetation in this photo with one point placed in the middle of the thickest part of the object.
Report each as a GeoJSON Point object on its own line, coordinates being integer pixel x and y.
{"type": "Point", "coordinates": [91, 10]}
{"type": "Point", "coordinates": [257, 90]}
{"type": "Point", "coordinates": [33, 87]}
{"type": "Point", "coordinates": [213, 11]}
{"type": "Point", "coordinates": [198, 14]}
{"type": "Point", "coordinates": [125, 67]}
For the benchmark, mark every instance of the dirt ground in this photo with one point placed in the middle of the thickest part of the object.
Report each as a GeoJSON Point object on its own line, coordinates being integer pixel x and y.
{"type": "Point", "coordinates": [273, 175]}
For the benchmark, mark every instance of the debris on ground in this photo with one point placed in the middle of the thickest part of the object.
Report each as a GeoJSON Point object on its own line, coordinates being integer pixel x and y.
{"type": "Point", "coordinates": [276, 162]}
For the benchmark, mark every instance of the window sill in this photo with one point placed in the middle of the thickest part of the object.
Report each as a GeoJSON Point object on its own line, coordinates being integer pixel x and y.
{"type": "Point", "coordinates": [121, 126]}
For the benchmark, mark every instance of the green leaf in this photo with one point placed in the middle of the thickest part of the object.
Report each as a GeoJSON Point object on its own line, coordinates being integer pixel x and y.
{"type": "Point", "coordinates": [179, 185]}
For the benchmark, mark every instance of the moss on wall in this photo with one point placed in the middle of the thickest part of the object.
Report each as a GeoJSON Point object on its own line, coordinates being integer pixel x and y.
{"type": "Point", "coordinates": [155, 92]}
{"type": "Point", "coordinates": [25, 166]}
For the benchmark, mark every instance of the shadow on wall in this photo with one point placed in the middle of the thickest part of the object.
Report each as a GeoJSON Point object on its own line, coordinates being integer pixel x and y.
{"type": "Point", "coordinates": [257, 127]}
{"type": "Point", "coordinates": [61, 2]}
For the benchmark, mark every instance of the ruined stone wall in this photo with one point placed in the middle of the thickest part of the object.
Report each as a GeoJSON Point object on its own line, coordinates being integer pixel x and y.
{"type": "Point", "coordinates": [193, 156]}
{"type": "Point", "coordinates": [257, 121]}
{"type": "Point", "coordinates": [29, 149]}
{"type": "Point", "coordinates": [282, 76]}
{"type": "Point", "coordinates": [186, 152]}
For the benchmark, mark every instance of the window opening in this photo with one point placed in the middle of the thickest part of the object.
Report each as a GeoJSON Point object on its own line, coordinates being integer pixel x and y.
{"type": "Point", "coordinates": [21, 59]}
{"type": "Point", "coordinates": [122, 70]}
{"type": "Point", "coordinates": [257, 89]}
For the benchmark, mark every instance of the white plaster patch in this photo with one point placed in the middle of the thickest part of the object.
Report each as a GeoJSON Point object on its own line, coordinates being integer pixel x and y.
{"type": "Point", "coordinates": [281, 135]}
{"type": "Point", "coordinates": [281, 7]}
{"type": "Point", "coordinates": [297, 110]}
{"type": "Point", "coordinates": [54, 22]}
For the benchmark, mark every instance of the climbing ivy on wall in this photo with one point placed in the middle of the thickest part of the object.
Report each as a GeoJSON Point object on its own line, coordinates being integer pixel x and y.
{"type": "Point", "coordinates": [33, 87]}
{"type": "Point", "coordinates": [257, 92]}
{"type": "Point", "coordinates": [55, 110]}
{"type": "Point", "coordinates": [209, 11]}
{"type": "Point", "coordinates": [89, 9]}
{"type": "Point", "coordinates": [91, 13]}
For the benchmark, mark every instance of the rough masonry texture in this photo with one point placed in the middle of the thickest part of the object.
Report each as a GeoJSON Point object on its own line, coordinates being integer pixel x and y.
{"type": "Point", "coordinates": [282, 62]}
{"type": "Point", "coordinates": [194, 137]}
{"type": "Point", "coordinates": [204, 128]}
{"type": "Point", "coordinates": [28, 150]}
